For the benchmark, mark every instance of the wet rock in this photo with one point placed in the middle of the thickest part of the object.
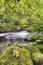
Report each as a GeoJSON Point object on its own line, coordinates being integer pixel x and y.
{"type": "Point", "coordinates": [2, 39]}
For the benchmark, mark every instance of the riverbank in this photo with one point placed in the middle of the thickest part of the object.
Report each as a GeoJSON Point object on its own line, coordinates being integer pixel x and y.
{"type": "Point", "coordinates": [11, 27]}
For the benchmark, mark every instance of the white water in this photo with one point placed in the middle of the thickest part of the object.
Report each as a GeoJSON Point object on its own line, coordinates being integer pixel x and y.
{"type": "Point", "coordinates": [14, 35]}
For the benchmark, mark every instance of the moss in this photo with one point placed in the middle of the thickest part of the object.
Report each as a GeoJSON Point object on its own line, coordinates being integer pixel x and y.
{"type": "Point", "coordinates": [25, 55]}
{"type": "Point", "coordinates": [40, 47]}
{"type": "Point", "coordinates": [37, 58]}
{"type": "Point", "coordinates": [28, 55]}
{"type": "Point", "coordinates": [8, 58]}
{"type": "Point", "coordinates": [32, 48]}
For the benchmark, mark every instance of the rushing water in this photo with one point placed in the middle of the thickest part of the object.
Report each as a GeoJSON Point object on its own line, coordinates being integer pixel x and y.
{"type": "Point", "coordinates": [12, 36]}
{"type": "Point", "coordinates": [15, 36]}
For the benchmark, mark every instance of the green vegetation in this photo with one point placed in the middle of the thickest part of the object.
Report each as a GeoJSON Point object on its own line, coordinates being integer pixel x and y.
{"type": "Point", "coordinates": [28, 55]}
{"type": "Point", "coordinates": [21, 15]}
{"type": "Point", "coordinates": [16, 15]}
{"type": "Point", "coordinates": [31, 54]}
{"type": "Point", "coordinates": [23, 58]}
{"type": "Point", "coordinates": [38, 58]}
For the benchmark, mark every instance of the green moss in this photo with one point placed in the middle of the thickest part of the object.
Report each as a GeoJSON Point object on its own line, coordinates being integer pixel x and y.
{"type": "Point", "coordinates": [37, 58]}
{"type": "Point", "coordinates": [40, 47]}
{"type": "Point", "coordinates": [25, 55]}
{"type": "Point", "coordinates": [8, 58]}
{"type": "Point", "coordinates": [28, 55]}
{"type": "Point", "coordinates": [32, 48]}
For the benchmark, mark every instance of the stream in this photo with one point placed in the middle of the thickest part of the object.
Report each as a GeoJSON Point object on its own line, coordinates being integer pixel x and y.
{"type": "Point", "coordinates": [13, 37]}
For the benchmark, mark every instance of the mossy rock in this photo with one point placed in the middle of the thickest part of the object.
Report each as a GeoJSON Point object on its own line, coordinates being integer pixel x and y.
{"type": "Point", "coordinates": [37, 58]}
{"type": "Point", "coordinates": [28, 55]}
{"type": "Point", "coordinates": [32, 48]}
{"type": "Point", "coordinates": [23, 57]}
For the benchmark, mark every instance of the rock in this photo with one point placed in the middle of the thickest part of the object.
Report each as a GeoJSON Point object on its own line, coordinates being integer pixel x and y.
{"type": "Point", "coordinates": [38, 58]}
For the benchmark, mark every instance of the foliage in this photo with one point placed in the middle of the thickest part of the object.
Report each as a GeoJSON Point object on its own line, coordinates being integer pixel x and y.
{"type": "Point", "coordinates": [8, 58]}
{"type": "Point", "coordinates": [28, 55]}
{"type": "Point", "coordinates": [40, 47]}
{"type": "Point", "coordinates": [21, 15]}
{"type": "Point", "coordinates": [18, 15]}
{"type": "Point", "coordinates": [38, 58]}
